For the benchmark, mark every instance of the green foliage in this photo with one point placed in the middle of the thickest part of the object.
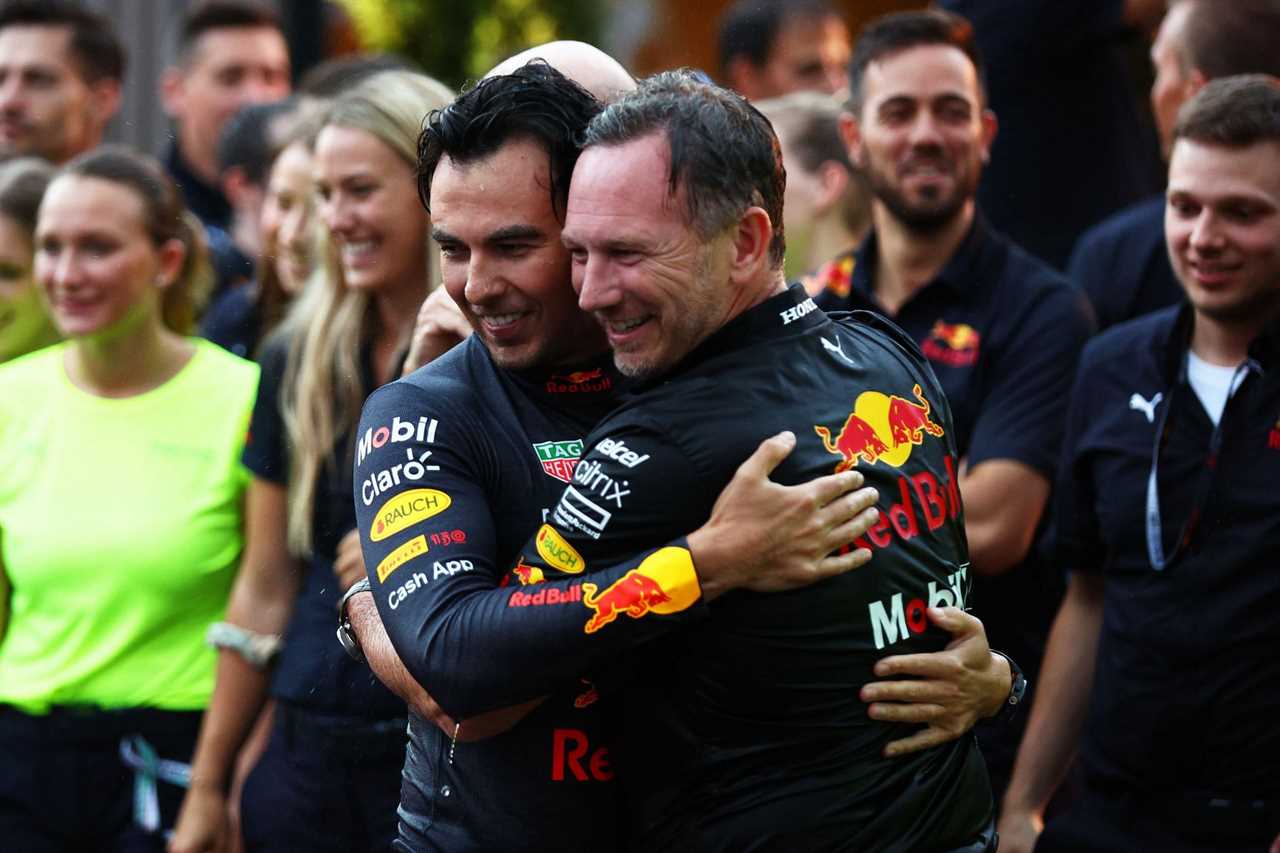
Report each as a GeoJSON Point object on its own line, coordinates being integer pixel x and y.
{"type": "Point", "coordinates": [459, 40]}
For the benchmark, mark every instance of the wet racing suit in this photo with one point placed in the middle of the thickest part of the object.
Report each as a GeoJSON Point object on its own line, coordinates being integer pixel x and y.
{"type": "Point", "coordinates": [744, 732]}
{"type": "Point", "coordinates": [455, 465]}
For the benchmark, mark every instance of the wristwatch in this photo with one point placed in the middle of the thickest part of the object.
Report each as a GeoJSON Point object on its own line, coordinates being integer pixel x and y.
{"type": "Point", "coordinates": [346, 636]}
{"type": "Point", "coordinates": [1017, 690]}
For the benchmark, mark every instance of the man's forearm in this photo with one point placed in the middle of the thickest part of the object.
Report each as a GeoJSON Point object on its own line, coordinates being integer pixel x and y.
{"type": "Point", "coordinates": [1066, 679]}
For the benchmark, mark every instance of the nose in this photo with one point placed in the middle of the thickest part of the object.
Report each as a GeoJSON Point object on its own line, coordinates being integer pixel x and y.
{"type": "Point", "coordinates": [592, 280]}
{"type": "Point", "coordinates": [482, 285]}
{"type": "Point", "coordinates": [337, 214]}
{"type": "Point", "coordinates": [924, 129]}
{"type": "Point", "coordinates": [1205, 234]}
{"type": "Point", "coordinates": [60, 270]}
{"type": "Point", "coordinates": [11, 94]}
{"type": "Point", "coordinates": [293, 228]}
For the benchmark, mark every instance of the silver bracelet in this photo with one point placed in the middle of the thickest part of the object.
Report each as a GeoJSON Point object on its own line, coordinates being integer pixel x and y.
{"type": "Point", "coordinates": [258, 650]}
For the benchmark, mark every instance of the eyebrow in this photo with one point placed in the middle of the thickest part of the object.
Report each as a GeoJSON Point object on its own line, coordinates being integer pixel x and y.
{"type": "Point", "coordinates": [514, 232]}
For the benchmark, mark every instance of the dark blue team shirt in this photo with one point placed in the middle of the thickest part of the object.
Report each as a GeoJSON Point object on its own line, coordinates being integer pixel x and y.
{"type": "Point", "coordinates": [313, 671]}
{"type": "Point", "coordinates": [1123, 265]}
{"type": "Point", "coordinates": [1073, 146]}
{"type": "Point", "coordinates": [1187, 684]}
{"type": "Point", "coordinates": [1002, 331]}
{"type": "Point", "coordinates": [456, 467]}
{"type": "Point", "coordinates": [234, 321]}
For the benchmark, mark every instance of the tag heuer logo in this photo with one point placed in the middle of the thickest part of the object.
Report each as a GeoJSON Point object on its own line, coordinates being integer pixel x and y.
{"type": "Point", "coordinates": [559, 458]}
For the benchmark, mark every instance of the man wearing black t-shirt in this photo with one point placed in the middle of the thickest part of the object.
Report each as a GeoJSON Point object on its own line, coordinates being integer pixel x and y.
{"type": "Point", "coordinates": [1001, 330]}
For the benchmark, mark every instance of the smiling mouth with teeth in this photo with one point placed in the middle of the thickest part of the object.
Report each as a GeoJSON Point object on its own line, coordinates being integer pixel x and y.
{"type": "Point", "coordinates": [628, 325]}
{"type": "Point", "coordinates": [500, 319]}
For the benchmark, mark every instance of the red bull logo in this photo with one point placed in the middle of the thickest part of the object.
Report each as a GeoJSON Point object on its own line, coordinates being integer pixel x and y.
{"type": "Point", "coordinates": [952, 344]}
{"type": "Point", "coordinates": [526, 573]}
{"type": "Point", "coordinates": [580, 381]}
{"type": "Point", "coordinates": [1273, 438]}
{"type": "Point", "coordinates": [663, 583]}
{"type": "Point", "coordinates": [881, 428]}
{"type": "Point", "coordinates": [835, 276]}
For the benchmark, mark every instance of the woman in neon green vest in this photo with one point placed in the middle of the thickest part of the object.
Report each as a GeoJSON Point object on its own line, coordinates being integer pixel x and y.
{"type": "Point", "coordinates": [121, 494]}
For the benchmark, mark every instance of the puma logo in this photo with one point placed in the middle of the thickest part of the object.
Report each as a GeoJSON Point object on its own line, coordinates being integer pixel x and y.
{"type": "Point", "coordinates": [1139, 404]}
{"type": "Point", "coordinates": [835, 348]}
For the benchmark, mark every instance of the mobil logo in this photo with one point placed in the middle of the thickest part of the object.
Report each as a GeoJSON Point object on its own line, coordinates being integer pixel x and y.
{"type": "Point", "coordinates": [896, 618]}
{"type": "Point", "coordinates": [881, 428]}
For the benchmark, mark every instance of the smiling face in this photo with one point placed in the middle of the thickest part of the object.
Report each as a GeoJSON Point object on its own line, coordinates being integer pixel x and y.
{"type": "Point", "coordinates": [502, 259]}
{"type": "Point", "coordinates": [638, 265]}
{"type": "Point", "coordinates": [922, 134]}
{"type": "Point", "coordinates": [368, 200]}
{"type": "Point", "coordinates": [1222, 227]}
{"type": "Point", "coordinates": [287, 210]}
{"type": "Point", "coordinates": [99, 270]}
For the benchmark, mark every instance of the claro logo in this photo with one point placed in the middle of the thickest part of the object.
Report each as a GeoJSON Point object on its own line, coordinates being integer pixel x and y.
{"type": "Point", "coordinates": [893, 621]}
{"type": "Point", "coordinates": [407, 509]}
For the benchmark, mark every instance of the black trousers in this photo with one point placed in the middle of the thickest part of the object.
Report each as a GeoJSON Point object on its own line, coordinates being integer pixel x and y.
{"type": "Point", "coordinates": [324, 784]}
{"type": "Point", "coordinates": [65, 787]}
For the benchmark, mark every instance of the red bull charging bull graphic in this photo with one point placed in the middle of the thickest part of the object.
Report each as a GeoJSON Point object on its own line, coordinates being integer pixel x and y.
{"type": "Point", "coordinates": [881, 428]}
{"type": "Point", "coordinates": [664, 582]}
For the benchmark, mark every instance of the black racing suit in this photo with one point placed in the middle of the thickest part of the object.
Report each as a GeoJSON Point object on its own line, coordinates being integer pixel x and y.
{"type": "Point", "coordinates": [455, 465]}
{"type": "Point", "coordinates": [746, 731]}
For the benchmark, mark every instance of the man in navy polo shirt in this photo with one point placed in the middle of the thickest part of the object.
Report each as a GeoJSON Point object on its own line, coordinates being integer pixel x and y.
{"type": "Point", "coordinates": [1001, 330]}
{"type": "Point", "coordinates": [1121, 262]}
{"type": "Point", "coordinates": [1169, 519]}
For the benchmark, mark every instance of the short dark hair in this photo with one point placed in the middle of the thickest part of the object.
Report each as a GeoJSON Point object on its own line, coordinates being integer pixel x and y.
{"type": "Point", "coordinates": [534, 102]}
{"type": "Point", "coordinates": [902, 30]}
{"type": "Point", "coordinates": [203, 17]}
{"type": "Point", "coordinates": [723, 151]}
{"type": "Point", "coordinates": [1222, 39]}
{"type": "Point", "coordinates": [248, 139]}
{"type": "Point", "coordinates": [750, 27]}
{"type": "Point", "coordinates": [23, 181]}
{"type": "Point", "coordinates": [1232, 111]}
{"type": "Point", "coordinates": [94, 45]}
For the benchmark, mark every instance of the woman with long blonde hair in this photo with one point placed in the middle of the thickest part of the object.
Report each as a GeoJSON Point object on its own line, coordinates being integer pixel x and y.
{"type": "Point", "coordinates": [329, 776]}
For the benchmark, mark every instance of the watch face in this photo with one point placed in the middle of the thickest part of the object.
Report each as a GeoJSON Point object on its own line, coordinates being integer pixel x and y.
{"type": "Point", "coordinates": [348, 641]}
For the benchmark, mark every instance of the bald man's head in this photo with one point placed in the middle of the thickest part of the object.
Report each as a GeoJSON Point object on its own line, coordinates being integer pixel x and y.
{"type": "Point", "coordinates": [587, 65]}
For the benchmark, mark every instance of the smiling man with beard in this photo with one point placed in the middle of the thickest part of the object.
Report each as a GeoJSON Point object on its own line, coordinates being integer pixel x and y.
{"type": "Point", "coordinates": [1001, 330]}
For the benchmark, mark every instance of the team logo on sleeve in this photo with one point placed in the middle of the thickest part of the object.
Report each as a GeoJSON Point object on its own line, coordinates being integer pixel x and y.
{"type": "Point", "coordinates": [835, 276]}
{"type": "Point", "coordinates": [664, 582]}
{"type": "Point", "coordinates": [407, 509]}
{"type": "Point", "coordinates": [952, 344]}
{"type": "Point", "coordinates": [881, 428]}
{"type": "Point", "coordinates": [559, 458]}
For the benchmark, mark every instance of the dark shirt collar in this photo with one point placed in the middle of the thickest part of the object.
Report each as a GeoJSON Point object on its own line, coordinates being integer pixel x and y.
{"type": "Point", "coordinates": [592, 385]}
{"type": "Point", "coordinates": [789, 312]}
{"type": "Point", "coordinates": [207, 202]}
{"type": "Point", "coordinates": [963, 271]}
{"type": "Point", "coordinates": [1175, 342]}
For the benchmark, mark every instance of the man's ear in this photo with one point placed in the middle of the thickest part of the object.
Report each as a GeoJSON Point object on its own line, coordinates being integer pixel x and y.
{"type": "Point", "coordinates": [990, 126]}
{"type": "Point", "coordinates": [851, 134]}
{"type": "Point", "coordinates": [750, 242]}
{"type": "Point", "coordinates": [104, 101]}
{"type": "Point", "coordinates": [833, 180]}
{"type": "Point", "coordinates": [234, 183]}
{"type": "Point", "coordinates": [172, 92]}
{"type": "Point", "coordinates": [1193, 83]}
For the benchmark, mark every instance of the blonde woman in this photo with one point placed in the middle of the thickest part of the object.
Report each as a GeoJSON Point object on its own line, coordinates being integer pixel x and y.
{"type": "Point", "coordinates": [121, 495]}
{"type": "Point", "coordinates": [329, 776]}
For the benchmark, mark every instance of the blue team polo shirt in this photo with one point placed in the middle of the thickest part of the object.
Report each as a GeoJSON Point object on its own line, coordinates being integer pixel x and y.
{"type": "Point", "coordinates": [1186, 693]}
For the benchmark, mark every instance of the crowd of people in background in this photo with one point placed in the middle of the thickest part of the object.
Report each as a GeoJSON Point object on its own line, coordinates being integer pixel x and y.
{"type": "Point", "coordinates": [1090, 310]}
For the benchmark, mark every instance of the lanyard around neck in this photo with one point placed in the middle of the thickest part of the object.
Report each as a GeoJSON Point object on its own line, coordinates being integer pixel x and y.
{"type": "Point", "coordinates": [1155, 528]}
